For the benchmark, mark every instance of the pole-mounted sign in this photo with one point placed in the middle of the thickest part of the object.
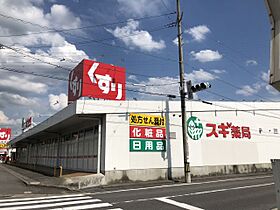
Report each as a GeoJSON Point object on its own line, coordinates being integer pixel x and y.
{"type": "Point", "coordinates": [97, 80]}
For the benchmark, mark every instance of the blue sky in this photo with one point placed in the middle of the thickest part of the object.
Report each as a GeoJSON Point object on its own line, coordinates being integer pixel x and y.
{"type": "Point", "coordinates": [226, 43]}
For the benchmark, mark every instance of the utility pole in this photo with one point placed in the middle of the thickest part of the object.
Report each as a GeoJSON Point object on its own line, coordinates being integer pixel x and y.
{"type": "Point", "coordinates": [183, 96]}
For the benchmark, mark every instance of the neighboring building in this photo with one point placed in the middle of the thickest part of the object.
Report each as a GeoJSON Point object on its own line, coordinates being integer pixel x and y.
{"type": "Point", "coordinates": [5, 136]}
{"type": "Point", "coordinates": [100, 137]}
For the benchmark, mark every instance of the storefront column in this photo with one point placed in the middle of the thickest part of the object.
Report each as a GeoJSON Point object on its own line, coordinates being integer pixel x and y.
{"type": "Point", "coordinates": [99, 146]}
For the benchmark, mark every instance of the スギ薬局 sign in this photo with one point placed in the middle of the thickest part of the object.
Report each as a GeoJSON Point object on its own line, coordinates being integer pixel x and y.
{"type": "Point", "coordinates": [97, 80]}
{"type": "Point", "coordinates": [224, 130]}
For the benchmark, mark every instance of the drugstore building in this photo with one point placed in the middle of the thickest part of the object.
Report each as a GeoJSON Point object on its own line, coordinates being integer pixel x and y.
{"type": "Point", "coordinates": [142, 140]}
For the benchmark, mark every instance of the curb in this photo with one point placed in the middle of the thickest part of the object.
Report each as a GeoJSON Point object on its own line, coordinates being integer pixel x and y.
{"type": "Point", "coordinates": [26, 180]}
{"type": "Point", "coordinates": [30, 182]}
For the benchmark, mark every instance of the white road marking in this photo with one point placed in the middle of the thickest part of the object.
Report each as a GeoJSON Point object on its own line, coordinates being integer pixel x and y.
{"type": "Point", "coordinates": [80, 202]}
{"type": "Point", "coordinates": [179, 204]}
{"type": "Point", "coordinates": [46, 201]}
{"type": "Point", "coordinates": [199, 193]}
{"type": "Point", "coordinates": [180, 185]}
{"type": "Point", "coordinates": [115, 209]}
{"type": "Point", "coordinates": [80, 207]}
{"type": "Point", "coordinates": [41, 198]}
{"type": "Point", "coordinates": [223, 190]}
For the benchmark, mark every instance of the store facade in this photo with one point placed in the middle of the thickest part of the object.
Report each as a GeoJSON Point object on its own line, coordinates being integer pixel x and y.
{"type": "Point", "coordinates": [142, 140]}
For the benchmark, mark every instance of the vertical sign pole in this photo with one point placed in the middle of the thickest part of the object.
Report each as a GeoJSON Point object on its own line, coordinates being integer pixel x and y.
{"type": "Point", "coordinates": [182, 94]}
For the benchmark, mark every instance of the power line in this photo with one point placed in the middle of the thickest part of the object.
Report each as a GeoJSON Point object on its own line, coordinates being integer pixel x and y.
{"type": "Point", "coordinates": [77, 28]}
{"type": "Point", "coordinates": [238, 101]}
{"type": "Point", "coordinates": [63, 79]}
{"type": "Point", "coordinates": [218, 78]}
{"type": "Point", "coordinates": [88, 41]}
{"type": "Point", "coordinates": [149, 54]}
{"type": "Point", "coordinates": [59, 66]}
{"type": "Point", "coordinates": [46, 27]}
{"type": "Point", "coordinates": [235, 86]}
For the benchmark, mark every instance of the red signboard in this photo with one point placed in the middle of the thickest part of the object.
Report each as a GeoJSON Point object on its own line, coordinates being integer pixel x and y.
{"type": "Point", "coordinates": [5, 134]}
{"type": "Point", "coordinates": [75, 83]}
{"type": "Point", "coordinates": [97, 80]}
{"type": "Point", "coordinates": [147, 132]}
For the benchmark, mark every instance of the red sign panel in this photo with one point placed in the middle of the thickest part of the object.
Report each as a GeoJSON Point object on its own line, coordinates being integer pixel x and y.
{"type": "Point", "coordinates": [97, 80]}
{"type": "Point", "coordinates": [75, 83]}
{"type": "Point", "coordinates": [5, 134]}
{"type": "Point", "coordinates": [147, 132]}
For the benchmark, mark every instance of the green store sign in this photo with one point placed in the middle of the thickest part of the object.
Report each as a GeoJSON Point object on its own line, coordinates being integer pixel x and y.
{"type": "Point", "coordinates": [146, 145]}
{"type": "Point", "coordinates": [195, 128]}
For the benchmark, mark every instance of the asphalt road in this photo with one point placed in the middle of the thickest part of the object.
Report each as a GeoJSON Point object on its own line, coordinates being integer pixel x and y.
{"type": "Point", "coordinates": [256, 193]}
{"type": "Point", "coordinates": [12, 186]}
{"type": "Point", "coordinates": [247, 192]}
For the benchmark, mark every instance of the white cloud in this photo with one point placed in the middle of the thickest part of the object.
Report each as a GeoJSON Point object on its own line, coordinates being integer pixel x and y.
{"type": "Point", "coordinates": [29, 93]}
{"type": "Point", "coordinates": [206, 55]}
{"type": "Point", "coordinates": [251, 63]}
{"type": "Point", "coordinates": [61, 17]}
{"type": "Point", "coordinates": [198, 32]}
{"type": "Point", "coordinates": [22, 84]}
{"type": "Point", "coordinates": [170, 85]}
{"type": "Point", "coordinates": [248, 90]}
{"type": "Point", "coordinates": [200, 76]}
{"type": "Point", "coordinates": [160, 85]}
{"type": "Point", "coordinates": [9, 99]}
{"type": "Point", "coordinates": [271, 90]}
{"type": "Point", "coordinates": [175, 41]}
{"type": "Point", "coordinates": [6, 121]}
{"type": "Point", "coordinates": [140, 8]}
{"type": "Point", "coordinates": [133, 78]}
{"type": "Point", "coordinates": [218, 71]}
{"type": "Point", "coordinates": [264, 76]}
{"type": "Point", "coordinates": [58, 102]}
{"type": "Point", "coordinates": [68, 52]}
{"type": "Point", "coordinates": [132, 37]}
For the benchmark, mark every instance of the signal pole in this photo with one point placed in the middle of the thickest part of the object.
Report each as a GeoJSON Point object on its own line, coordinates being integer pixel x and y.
{"type": "Point", "coordinates": [187, 174]}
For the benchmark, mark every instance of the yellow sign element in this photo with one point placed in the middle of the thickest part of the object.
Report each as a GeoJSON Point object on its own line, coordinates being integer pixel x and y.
{"type": "Point", "coordinates": [4, 146]}
{"type": "Point", "coordinates": [147, 120]}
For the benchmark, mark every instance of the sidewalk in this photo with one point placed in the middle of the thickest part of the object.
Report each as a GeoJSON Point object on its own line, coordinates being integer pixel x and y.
{"type": "Point", "coordinates": [32, 178]}
{"type": "Point", "coordinates": [78, 181]}
{"type": "Point", "coordinates": [73, 181]}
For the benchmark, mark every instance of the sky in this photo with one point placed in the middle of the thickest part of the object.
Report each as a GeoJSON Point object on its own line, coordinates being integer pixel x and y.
{"type": "Point", "coordinates": [226, 43]}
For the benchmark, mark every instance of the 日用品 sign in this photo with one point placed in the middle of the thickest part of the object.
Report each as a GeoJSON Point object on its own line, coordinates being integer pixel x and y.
{"type": "Point", "coordinates": [145, 145]}
{"type": "Point", "coordinates": [147, 133]}
{"type": "Point", "coordinates": [97, 80]}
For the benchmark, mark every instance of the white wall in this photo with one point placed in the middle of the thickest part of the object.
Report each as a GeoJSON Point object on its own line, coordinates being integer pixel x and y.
{"type": "Point", "coordinates": [206, 151]}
